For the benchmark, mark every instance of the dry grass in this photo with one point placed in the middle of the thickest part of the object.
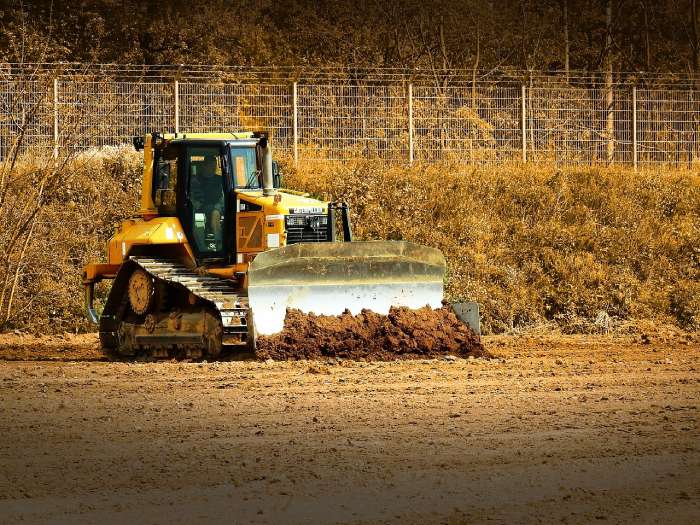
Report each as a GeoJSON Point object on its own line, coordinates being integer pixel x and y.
{"type": "Point", "coordinates": [95, 191]}
{"type": "Point", "coordinates": [583, 250]}
{"type": "Point", "coordinates": [579, 250]}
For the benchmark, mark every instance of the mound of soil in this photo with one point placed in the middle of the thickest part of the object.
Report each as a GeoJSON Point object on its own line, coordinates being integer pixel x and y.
{"type": "Point", "coordinates": [403, 334]}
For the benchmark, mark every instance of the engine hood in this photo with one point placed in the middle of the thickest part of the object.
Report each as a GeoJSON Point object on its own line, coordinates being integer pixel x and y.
{"type": "Point", "coordinates": [283, 202]}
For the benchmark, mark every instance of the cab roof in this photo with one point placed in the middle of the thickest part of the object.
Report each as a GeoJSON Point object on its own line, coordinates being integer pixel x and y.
{"type": "Point", "coordinates": [247, 135]}
{"type": "Point", "coordinates": [244, 138]}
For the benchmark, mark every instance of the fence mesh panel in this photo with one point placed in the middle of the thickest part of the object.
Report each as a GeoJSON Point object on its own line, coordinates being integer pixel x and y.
{"type": "Point", "coordinates": [237, 107]}
{"type": "Point", "coordinates": [338, 122]}
{"type": "Point", "coordinates": [474, 124]}
{"type": "Point", "coordinates": [26, 110]}
{"type": "Point", "coordinates": [101, 113]}
{"type": "Point", "coordinates": [483, 122]}
{"type": "Point", "coordinates": [578, 126]}
{"type": "Point", "coordinates": [667, 123]}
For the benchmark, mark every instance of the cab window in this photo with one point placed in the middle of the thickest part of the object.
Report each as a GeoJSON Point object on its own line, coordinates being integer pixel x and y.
{"type": "Point", "coordinates": [206, 193]}
{"type": "Point", "coordinates": [165, 180]}
{"type": "Point", "coordinates": [244, 168]}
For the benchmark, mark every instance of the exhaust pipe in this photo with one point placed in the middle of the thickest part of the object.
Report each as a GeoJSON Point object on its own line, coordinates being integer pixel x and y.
{"type": "Point", "coordinates": [268, 182]}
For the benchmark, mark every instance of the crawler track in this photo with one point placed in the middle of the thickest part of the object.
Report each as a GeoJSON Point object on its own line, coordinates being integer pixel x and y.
{"type": "Point", "coordinates": [192, 315]}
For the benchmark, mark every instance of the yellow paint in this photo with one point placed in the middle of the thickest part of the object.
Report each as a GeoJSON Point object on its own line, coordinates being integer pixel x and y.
{"type": "Point", "coordinates": [148, 207]}
{"type": "Point", "coordinates": [251, 230]}
{"type": "Point", "coordinates": [248, 222]}
{"type": "Point", "coordinates": [286, 202]}
{"type": "Point", "coordinates": [139, 232]}
{"type": "Point", "coordinates": [229, 272]}
{"type": "Point", "coordinates": [97, 271]}
{"type": "Point", "coordinates": [208, 136]}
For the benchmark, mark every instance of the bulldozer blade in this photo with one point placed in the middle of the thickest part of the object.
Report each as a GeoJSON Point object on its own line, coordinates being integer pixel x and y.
{"type": "Point", "coordinates": [329, 278]}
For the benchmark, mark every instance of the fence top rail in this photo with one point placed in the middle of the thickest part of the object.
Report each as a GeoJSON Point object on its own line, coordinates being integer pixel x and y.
{"type": "Point", "coordinates": [437, 76]}
{"type": "Point", "coordinates": [483, 90]}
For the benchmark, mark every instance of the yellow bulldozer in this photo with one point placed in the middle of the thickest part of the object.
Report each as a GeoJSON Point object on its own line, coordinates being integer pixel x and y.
{"type": "Point", "coordinates": [219, 252]}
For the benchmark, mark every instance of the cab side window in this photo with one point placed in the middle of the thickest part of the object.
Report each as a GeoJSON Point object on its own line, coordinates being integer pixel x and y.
{"type": "Point", "coordinates": [165, 181]}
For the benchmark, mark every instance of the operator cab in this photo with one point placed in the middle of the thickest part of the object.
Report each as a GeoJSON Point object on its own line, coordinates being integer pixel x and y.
{"type": "Point", "coordinates": [197, 180]}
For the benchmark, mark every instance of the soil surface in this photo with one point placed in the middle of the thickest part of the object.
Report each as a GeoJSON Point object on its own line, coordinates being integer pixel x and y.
{"type": "Point", "coordinates": [403, 334]}
{"type": "Point", "coordinates": [555, 429]}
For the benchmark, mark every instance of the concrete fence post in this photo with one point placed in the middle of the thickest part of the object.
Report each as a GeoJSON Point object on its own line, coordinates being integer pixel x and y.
{"type": "Point", "coordinates": [295, 123]}
{"type": "Point", "coordinates": [176, 88]}
{"type": "Point", "coordinates": [523, 126]}
{"type": "Point", "coordinates": [55, 118]}
{"type": "Point", "coordinates": [634, 127]}
{"type": "Point", "coordinates": [410, 124]}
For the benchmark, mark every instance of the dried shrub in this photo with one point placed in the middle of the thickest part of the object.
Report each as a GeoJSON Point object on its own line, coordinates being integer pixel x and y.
{"type": "Point", "coordinates": [94, 191]}
{"type": "Point", "coordinates": [581, 249]}
{"type": "Point", "coordinates": [537, 244]}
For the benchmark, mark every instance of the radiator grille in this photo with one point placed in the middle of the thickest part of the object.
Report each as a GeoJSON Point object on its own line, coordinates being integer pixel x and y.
{"type": "Point", "coordinates": [306, 228]}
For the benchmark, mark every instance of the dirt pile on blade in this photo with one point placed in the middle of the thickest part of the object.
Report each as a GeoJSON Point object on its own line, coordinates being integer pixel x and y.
{"type": "Point", "coordinates": [403, 334]}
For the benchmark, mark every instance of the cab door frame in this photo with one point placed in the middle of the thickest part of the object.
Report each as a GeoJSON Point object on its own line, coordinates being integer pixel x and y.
{"type": "Point", "coordinates": [185, 210]}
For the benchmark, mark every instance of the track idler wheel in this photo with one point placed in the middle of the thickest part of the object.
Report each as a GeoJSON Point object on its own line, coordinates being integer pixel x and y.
{"type": "Point", "coordinates": [141, 291]}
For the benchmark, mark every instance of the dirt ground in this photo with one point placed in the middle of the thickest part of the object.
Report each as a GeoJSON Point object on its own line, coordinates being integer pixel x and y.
{"type": "Point", "coordinates": [557, 429]}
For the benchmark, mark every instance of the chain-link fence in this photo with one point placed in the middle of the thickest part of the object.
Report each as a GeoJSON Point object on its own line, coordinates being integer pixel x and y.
{"type": "Point", "coordinates": [478, 122]}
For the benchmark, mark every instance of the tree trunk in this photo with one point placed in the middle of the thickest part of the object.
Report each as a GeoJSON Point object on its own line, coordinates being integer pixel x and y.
{"type": "Point", "coordinates": [475, 67]}
{"type": "Point", "coordinates": [609, 100]}
{"type": "Point", "coordinates": [565, 22]}
{"type": "Point", "coordinates": [695, 44]}
{"type": "Point", "coordinates": [647, 44]}
{"type": "Point", "coordinates": [523, 34]}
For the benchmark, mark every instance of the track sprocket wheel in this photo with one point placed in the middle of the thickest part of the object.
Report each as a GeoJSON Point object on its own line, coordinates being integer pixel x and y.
{"type": "Point", "coordinates": [141, 291]}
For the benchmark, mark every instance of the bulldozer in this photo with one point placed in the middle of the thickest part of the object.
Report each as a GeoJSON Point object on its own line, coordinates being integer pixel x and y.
{"type": "Point", "coordinates": [219, 251]}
